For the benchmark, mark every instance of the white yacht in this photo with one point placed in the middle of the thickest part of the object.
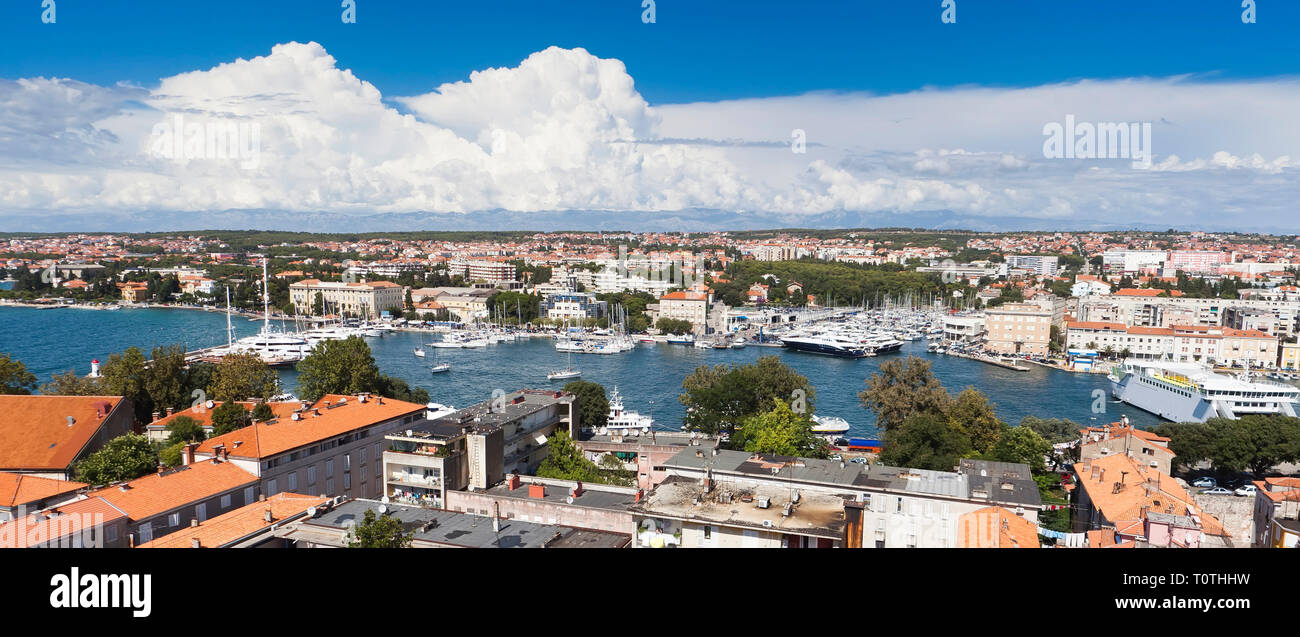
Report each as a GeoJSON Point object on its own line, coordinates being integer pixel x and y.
{"type": "Point", "coordinates": [621, 421]}
{"type": "Point", "coordinates": [1185, 392]}
{"type": "Point", "coordinates": [831, 428]}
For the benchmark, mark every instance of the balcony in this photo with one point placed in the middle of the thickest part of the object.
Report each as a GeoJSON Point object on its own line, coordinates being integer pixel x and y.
{"type": "Point", "coordinates": [414, 480]}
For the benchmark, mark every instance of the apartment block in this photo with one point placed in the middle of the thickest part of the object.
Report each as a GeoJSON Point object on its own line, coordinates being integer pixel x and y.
{"type": "Point", "coordinates": [333, 446]}
{"type": "Point", "coordinates": [1018, 328]}
{"type": "Point", "coordinates": [361, 299]}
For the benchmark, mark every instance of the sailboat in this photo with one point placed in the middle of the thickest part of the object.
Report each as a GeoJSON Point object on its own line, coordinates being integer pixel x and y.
{"type": "Point", "coordinates": [419, 351]}
{"type": "Point", "coordinates": [438, 368]}
{"type": "Point", "coordinates": [566, 373]}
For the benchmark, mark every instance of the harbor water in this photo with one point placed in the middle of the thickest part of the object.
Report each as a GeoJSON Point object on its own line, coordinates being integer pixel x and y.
{"type": "Point", "coordinates": [52, 341]}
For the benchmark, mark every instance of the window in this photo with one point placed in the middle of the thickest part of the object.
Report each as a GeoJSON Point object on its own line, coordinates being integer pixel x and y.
{"type": "Point", "coordinates": [249, 495]}
{"type": "Point", "coordinates": [347, 462]}
{"type": "Point", "coordinates": [270, 488]}
{"type": "Point", "coordinates": [110, 534]}
{"type": "Point", "coordinates": [311, 476]}
{"type": "Point", "coordinates": [347, 481]}
{"type": "Point", "coordinates": [174, 519]}
{"type": "Point", "coordinates": [293, 481]}
{"type": "Point", "coordinates": [225, 501]}
{"type": "Point", "coordinates": [201, 511]}
{"type": "Point", "coordinates": [329, 486]}
{"type": "Point", "coordinates": [146, 532]}
{"type": "Point", "coordinates": [329, 467]}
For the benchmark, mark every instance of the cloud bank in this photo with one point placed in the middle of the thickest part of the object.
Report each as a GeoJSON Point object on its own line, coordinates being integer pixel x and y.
{"type": "Point", "coordinates": [567, 131]}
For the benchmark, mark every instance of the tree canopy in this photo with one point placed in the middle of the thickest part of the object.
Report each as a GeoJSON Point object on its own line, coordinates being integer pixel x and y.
{"type": "Point", "coordinates": [229, 416]}
{"type": "Point", "coordinates": [243, 376]}
{"type": "Point", "coordinates": [901, 388]}
{"type": "Point", "coordinates": [779, 431]}
{"type": "Point", "coordinates": [338, 367]}
{"type": "Point", "coordinates": [593, 406]}
{"type": "Point", "coordinates": [14, 377]}
{"type": "Point", "coordinates": [1254, 442]}
{"type": "Point", "coordinates": [718, 399]}
{"type": "Point", "coordinates": [565, 461]}
{"type": "Point", "coordinates": [125, 457]}
{"type": "Point", "coordinates": [379, 532]}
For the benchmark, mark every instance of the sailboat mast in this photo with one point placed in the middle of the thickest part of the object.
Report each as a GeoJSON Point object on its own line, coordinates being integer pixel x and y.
{"type": "Point", "coordinates": [266, 300]}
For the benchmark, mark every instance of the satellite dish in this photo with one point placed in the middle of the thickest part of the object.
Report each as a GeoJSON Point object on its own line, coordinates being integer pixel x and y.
{"type": "Point", "coordinates": [569, 499]}
{"type": "Point", "coordinates": [383, 509]}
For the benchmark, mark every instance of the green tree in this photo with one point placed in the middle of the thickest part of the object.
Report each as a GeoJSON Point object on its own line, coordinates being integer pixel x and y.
{"type": "Point", "coordinates": [973, 413]}
{"type": "Point", "coordinates": [779, 431]}
{"type": "Point", "coordinates": [718, 399]}
{"type": "Point", "coordinates": [593, 406]}
{"type": "Point", "coordinates": [674, 326]}
{"type": "Point", "coordinates": [165, 378]}
{"type": "Point", "coordinates": [263, 412]}
{"type": "Point", "coordinates": [338, 367]}
{"type": "Point", "coordinates": [1191, 442]}
{"type": "Point", "coordinates": [14, 377]}
{"type": "Point", "coordinates": [565, 461]}
{"type": "Point", "coordinates": [243, 376]}
{"type": "Point", "coordinates": [172, 454]}
{"type": "Point", "coordinates": [902, 388]}
{"type": "Point", "coordinates": [379, 532]}
{"type": "Point", "coordinates": [184, 429]}
{"type": "Point", "coordinates": [228, 417]}
{"type": "Point", "coordinates": [71, 383]}
{"type": "Point", "coordinates": [1022, 445]}
{"type": "Point", "coordinates": [398, 389]}
{"type": "Point", "coordinates": [925, 440]}
{"type": "Point", "coordinates": [125, 457]}
{"type": "Point", "coordinates": [126, 375]}
{"type": "Point", "coordinates": [1055, 430]}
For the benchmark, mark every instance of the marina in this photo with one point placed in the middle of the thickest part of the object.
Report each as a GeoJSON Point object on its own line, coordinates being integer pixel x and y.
{"type": "Point", "coordinates": [648, 372]}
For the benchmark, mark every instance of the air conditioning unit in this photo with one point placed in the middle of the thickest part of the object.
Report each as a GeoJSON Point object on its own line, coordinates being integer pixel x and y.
{"type": "Point", "coordinates": [767, 524]}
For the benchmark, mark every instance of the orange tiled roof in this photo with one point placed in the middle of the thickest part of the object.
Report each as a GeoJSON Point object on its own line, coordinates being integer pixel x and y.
{"type": "Point", "coordinates": [157, 493]}
{"type": "Point", "coordinates": [18, 488]}
{"type": "Point", "coordinates": [1094, 325]}
{"type": "Point", "coordinates": [995, 528]}
{"type": "Point", "coordinates": [265, 439]}
{"type": "Point", "coordinates": [64, 520]}
{"type": "Point", "coordinates": [35, 429]}
{"type": "Point", "coordinates": [1143, 490]}
{"type": "Point", "coordinates": [233, 525]}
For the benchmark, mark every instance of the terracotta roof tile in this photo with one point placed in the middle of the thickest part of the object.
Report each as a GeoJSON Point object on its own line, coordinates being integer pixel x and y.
{"type": "Point", "coordinates": [157, 493]}
{"type": "Point", "coordinates": [18, 488]}
{"type": "Point", "coordinates": [36, 433]}
{"type": "Point", "coordinates": [233, 525]}
{"type": "Point", "coordinates": [265, 439]}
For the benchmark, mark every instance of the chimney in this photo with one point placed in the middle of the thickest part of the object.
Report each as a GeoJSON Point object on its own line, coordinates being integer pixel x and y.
{"type": "Point", "coordinates": [156, 415]}
{"type": "Point", "coordinates": [171, 410]}
{"type": "Point", "coordinates": [640, 493]}
{"type": "Point", "coordinates": [512, 481]}
{"type": "Point", "coordinates": [261, 497]}
{"type": "Point", "coordinates": [267, 516]}
{"type": "Point", "coordinates": [187, 454]}
{"type": "Point", "coordinates": [537, 491]}
{"type": "Point", "coordinates": [194, 522]}
{"type": "Point", "coordinates": [577, 491]}
{"type": "Point", "coordinates": [195, 543]}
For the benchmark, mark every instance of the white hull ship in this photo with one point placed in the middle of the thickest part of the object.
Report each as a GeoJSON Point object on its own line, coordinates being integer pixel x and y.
{"type": "Point", "coordinates": [623, 422]}
{"type": "Point", "coordinates": [1187, 392]}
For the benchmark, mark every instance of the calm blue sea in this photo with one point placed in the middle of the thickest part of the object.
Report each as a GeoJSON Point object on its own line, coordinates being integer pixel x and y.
{"type": "Point", "coordinates": [650, 378]}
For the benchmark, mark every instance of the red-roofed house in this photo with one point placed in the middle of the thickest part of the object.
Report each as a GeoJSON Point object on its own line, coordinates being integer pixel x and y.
{"type": "Point", "coordinates": [250, 526]}
{"type": "Point", "coordinates": [1277, 513]}
{"type": "Point", "coordinates": [334, 446]}
{"type": "Point", "coordinates": [20, 492]}
{"type": "Point", "coordinates": [47, 435]}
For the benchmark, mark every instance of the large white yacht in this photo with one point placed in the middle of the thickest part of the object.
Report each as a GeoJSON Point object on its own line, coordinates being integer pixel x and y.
{"type": "Point", "coordinates": [620, 421]}
{"type": "Point", "coordinates": [1185, 392]}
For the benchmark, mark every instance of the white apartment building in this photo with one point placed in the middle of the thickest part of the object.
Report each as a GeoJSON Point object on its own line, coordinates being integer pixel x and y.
{"type": "Point", "coordinates": [686, 305]}
{"type": "Point", "coordinates": [1041, 265]}
{"type": "Point", "coordinates": [482, 270]}
{"type": "Point", "coordinates": [1118, 261]}
{"type": "Point", "coordinates": [362, 299]}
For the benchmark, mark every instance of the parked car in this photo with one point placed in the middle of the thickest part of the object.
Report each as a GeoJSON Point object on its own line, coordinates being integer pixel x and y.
{"type": "Point", "coordinates": [1205, 482]}
{"type": "Point", "coordinates": [836, 457]}
{"type": "Point", "coordinates": [1216, 491]}
{"type": "Point", "coordinates": [859, 460]}
{"type": "Point", "coordinates": [1246, 490]}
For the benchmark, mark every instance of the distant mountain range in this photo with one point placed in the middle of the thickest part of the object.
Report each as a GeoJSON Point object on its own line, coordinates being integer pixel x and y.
{"type": "Point", "coordinates": [676, 221]}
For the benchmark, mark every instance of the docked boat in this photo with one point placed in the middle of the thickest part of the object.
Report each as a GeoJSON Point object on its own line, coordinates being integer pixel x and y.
{"type": "Point", "coordinates": [621, 421]}
{"type": "Point", "coordinates": [419, 352]}
{"type": "Point", "coordinates": [1186, 392]}
{"type": "Point", "coordinates": [826, 344]}
{"type": "Point", "coordinates": [680, 339]}
{"type": "Point", "coordinates": [831, 428]}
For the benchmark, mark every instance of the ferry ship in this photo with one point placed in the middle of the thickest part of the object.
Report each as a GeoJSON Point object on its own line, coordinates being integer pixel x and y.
{"type": "Point", "coordinates": [1187, 392]}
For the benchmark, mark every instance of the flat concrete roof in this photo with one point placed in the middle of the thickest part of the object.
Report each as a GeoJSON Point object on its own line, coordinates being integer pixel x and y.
{"type": "Point", "coordinates": [464, 529]}
{"type": "Point", "coordinates": [556, 494]}
{"type": "Point", "coordinates": [815, 514]}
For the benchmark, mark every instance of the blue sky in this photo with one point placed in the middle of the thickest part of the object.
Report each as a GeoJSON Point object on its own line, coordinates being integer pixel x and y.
{"type": "Point", "coordinates": [565, 107]}
{"type": "Point", "coordinates": [698, 50]}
